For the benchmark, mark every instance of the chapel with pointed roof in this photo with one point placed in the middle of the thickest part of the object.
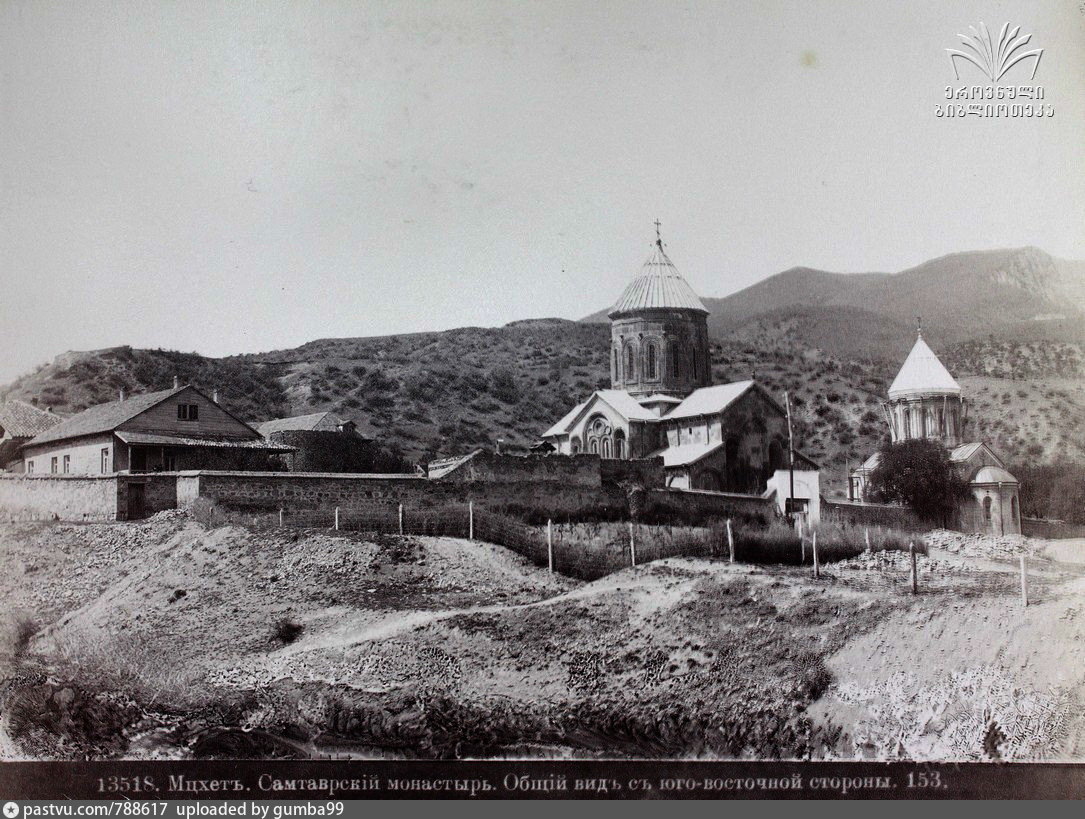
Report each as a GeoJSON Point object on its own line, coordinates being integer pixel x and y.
{"type": "Point", "coordinates": [925, 401]}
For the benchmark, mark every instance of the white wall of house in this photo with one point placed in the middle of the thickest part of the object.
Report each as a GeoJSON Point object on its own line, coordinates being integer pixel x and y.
{"type": "Point", "coordinates": [807, 485]}
{"type": "Point", "coordinates": [84, 456]}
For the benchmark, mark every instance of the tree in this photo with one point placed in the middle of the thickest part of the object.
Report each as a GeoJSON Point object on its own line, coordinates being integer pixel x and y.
{"type": "Point", "coordinates": [918, 474]}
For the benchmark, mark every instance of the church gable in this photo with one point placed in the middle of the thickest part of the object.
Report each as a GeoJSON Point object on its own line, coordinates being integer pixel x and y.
{"type": "Point", "coordinates": [970, 457]}
{"type": "Point", "coordinates": [600, 429]}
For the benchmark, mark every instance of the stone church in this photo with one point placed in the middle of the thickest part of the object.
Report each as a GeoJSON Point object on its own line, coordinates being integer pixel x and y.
{"type": "Point", "coordinates": [925, 401]}
{"type": "Point", "coordinates": [727, 437]}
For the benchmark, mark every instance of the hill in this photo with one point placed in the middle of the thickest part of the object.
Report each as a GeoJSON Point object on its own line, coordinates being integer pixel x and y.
{"type": "Point", "coordinates": [1018, 294]}
{"type": "Point", "coordinates": [141, 641]}
{"type": "Point", "coordinates": [804, 331]}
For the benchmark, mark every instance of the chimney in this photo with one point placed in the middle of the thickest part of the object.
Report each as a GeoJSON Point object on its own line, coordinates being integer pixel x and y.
{"type": "Point", "coordinates": [176, 382]}
{"type": "Point", "coordinates": [215, 396]}
{"type": "Point", "coordinates": [120, 392]}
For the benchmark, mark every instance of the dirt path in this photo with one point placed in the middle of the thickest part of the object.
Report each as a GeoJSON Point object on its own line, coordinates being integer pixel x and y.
{"type": "Point", "coordinates": [1066, 551]}
{"type": "Point", "coordinates": [353, 628]}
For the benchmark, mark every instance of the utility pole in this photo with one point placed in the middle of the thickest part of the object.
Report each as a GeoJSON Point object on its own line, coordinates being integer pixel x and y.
{"type": "Point", "coordinates": [789, 507]}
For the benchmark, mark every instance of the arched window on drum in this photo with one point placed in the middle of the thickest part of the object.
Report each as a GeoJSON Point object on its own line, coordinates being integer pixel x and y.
{"type": "Point", "coordinates": [651, 361]}
{"type": "Point", "coordinates": [629, 372]}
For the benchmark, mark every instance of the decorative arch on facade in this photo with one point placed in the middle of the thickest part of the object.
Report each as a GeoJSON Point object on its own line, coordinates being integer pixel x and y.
{"type": "Point", "coordinates": [574, 444]}
{"type": "Point", "coordinates": [620, 448]}
{"type": "Point", "coordinates": [651, 360]}
{"type": "Point", "coordinates": [987, 510]}
{"type": "Point", "coordinates": [598, 436]}
{"type": "Point", "coordinates": [629, 362]}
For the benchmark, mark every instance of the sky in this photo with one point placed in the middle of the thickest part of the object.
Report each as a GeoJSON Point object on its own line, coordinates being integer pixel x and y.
{"type": "Point", "coordinates": [240, 177]}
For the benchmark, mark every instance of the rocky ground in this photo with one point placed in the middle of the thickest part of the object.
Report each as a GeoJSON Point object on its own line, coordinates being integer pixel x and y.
{"type": "Point", "coordinates": [166, 638]}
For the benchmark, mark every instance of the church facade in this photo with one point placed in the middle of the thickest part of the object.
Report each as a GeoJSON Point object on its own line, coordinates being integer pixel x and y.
{"type": "Point", "coordinates": [925, 401]}
{"type": "Point", "coordinates": [727, 437]}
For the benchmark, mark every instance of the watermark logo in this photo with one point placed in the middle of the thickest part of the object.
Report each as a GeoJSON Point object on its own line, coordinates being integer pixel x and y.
{"type": "Point", "coordinates": [11, 810]}
{"type": "Point", "coordinates": [995, 58]}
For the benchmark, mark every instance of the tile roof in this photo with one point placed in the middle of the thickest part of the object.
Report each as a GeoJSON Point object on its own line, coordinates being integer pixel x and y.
{"type": "Point", "coordinates": [104, 417]}
{"type": "Point", "coordinates": [964, 451]}
{"type": "Point", "coordinates": [22, 420]}
{"type": "Point", "coordinates": [438, 469]}
{"type": "Point", "coordinates": [659, 285]}
{"type": "Point", "coordinates": [626, 404]}
{"type": "Point", "coordinates": [685, 453]}
{"type": "Point", "coordinates": [563, 425]}
{"type": "Point", "coordinates": [922, 372]}
{"type": "Point", "coordinates": [316, 420]}
{"type": "Point", "coordinates": [709, 400]}
{"type": "Point", "coordinates": [180, 440]}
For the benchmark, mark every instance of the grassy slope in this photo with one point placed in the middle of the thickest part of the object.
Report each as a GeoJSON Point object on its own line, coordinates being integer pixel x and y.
{"type": "Point", "coordinates": [444, 393]}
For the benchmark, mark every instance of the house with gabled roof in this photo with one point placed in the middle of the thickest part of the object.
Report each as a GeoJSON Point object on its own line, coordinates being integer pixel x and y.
{"type": "Point", "coordinates": [662, 403]}
{"type": "Point", "coordinates": [19, 423]}
{"type": "Point", "coordinates": [321, 442]}
{"type": "Point", "coordinates": [169, 430]}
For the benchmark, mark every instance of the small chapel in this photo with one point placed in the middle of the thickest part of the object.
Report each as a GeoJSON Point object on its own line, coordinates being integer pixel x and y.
{"type": "Point", "coordinates": [662, 403]}
{"type": "Point", "coordinates": [925, 401]}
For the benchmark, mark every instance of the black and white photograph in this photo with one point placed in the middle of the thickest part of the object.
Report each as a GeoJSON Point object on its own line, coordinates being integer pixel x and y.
{"type": "Point", "coordinates": [476, 399]}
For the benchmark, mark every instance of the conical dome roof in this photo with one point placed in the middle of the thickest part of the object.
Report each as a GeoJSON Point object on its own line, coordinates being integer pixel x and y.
{"type": "Point", "coordinates": [658, 286]}
{"type": "Point", "coordinates": [923, 373]}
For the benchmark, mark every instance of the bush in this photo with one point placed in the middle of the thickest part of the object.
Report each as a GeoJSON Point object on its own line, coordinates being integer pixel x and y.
{"type": "Point", "coordinates": [287, 630]}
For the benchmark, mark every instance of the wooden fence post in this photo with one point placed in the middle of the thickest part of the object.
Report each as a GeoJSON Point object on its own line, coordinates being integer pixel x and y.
{"type": "Point", "coordinates": [632, 546]}
{"type": "Point", "coordinates": [401, 518]}
{"type": "Point", "coordinates": [814, 546]}
{"type": "Point", "coordinates": [550, 545]}
{"type": "Point", "coordinates": [337, 518]}
{"type": "Point", "coordinates": [866, 535]}
{"type": "Point", "coordinates": [1024, 583]}
{"type": "Point", "coordinates": [280, 516]}
{"type": "Point", "coordinates": [915, 574]}
{"type": "Point", "coordinates": [730, 542]}
{"type": "Point", "coordinates": [211, 517]}
{"type": "Point", "coordinates": [470, 520]}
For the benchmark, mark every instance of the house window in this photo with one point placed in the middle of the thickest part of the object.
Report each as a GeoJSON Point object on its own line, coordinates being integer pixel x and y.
{"type": "Point", "coordinates": [67, 464]}
{"type": "Point", "coordinates": [188, 412]}
{"type": "Point", "coordinates": [53, 465]}
{"type": "Point", "coordinates": [630, 364]}
{"type": "Point", "coordinates": [105, 460]}
{"type": "Point", "coordinates": [987, 509]}
{"type": "Point", "coordinates": [29, 467]}
{"type": "Point", "coordinates": [650, 363]}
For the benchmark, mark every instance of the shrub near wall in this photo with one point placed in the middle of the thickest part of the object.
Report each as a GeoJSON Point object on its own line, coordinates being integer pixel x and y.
{"type": "Point", "coordinates": [693, 507]}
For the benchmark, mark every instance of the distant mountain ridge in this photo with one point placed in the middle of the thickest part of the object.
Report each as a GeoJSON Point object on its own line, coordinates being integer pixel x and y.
{"type": "Point", "coordinates": [1016, 294]}
{"type": "Point", "coordinates": [827, 338]}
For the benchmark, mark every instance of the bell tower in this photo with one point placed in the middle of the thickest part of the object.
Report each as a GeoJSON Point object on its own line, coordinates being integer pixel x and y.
{"type": "Point", "coordinates": [659, 332]}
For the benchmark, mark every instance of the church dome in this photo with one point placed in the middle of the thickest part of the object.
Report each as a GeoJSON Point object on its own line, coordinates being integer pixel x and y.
{"type": "Point", "coordinates": [993, 474]}
{"type": "Point", "coordinates": [923, 374]}
{"type": "Point", "coordinates": [658, 286]}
